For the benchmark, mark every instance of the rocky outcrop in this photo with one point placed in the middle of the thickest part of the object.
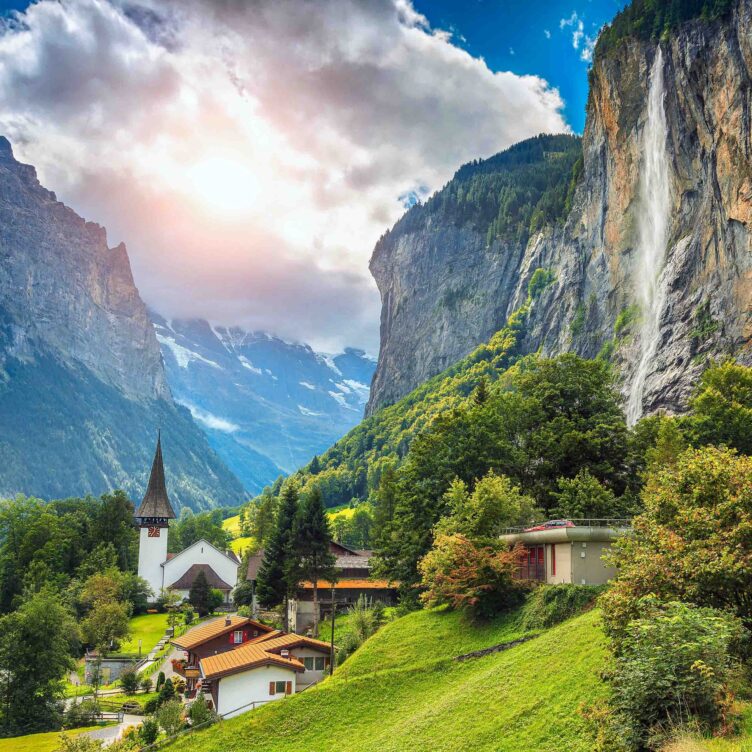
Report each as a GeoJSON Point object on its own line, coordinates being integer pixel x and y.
{"type": "Point", "coordinates": [591, 305]}
{"type": "Point", "coordinates": [82, 383]}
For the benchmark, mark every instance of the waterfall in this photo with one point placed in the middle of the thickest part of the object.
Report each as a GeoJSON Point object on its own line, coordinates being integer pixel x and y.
{"type": "Point", "coordinates": [654, 197]}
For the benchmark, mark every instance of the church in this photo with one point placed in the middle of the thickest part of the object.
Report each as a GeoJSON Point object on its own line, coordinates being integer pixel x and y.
{"type": "Point", "coordinates": [176, 571]}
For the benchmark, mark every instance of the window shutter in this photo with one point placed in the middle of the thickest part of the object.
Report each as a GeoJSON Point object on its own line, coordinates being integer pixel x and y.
{"type": "Point", "coordinates": [288, 688]}
{"type": "Point", "coordinates": [271, 688]}
{"type": "Point", "coordinates": [231, 637]}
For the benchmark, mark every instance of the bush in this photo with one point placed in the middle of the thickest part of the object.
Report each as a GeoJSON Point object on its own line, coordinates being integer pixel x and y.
{"type": "Point", "coordinates": [129, 681]}
{"type": "Point", "coordinates": [365, 617]}
{"type": "Point", "coordinates": [188, 616]}
{"type": "Point", "coordinates": [166, 693]}
{"type": "Point", "coordinates": [179, 685]}
{"type": "Point", "coordinates": [146, 684]}
{"type": "Point", "coordinates": [150, 706]}
{"type": "Point", "coordinates": [200, 712]}
{"type": "Point", "coordinates": [170, 717]}
{"type": "Point", "coordinates": [470, 577]}
{"type": "Point", "coordinates": [160, 681]}
{"type": "Point", "coordinates": [674, 668]}
{"type": "Point", "coordinates": [149, 731]}
{"type": "Point", "coordinates": [81, 714]}
{"type": "Point", "coordinates": [548, 605]}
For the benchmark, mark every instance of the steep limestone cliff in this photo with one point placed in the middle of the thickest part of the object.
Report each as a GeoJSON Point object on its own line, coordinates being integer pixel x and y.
{"type": "Point", "coordinates": [594, 303]}
{"type": "Point", "coordinates": [82, 383]}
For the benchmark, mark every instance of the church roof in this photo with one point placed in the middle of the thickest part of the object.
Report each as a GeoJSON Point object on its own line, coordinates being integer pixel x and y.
{"type": "Point", "coordinates": [185, 582]}
{"type": "Point", "coordinates": [156, 503]}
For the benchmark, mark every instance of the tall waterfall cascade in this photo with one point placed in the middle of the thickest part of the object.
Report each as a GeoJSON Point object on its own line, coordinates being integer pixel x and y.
{"type": "Point", "coordinates": [653, 221]}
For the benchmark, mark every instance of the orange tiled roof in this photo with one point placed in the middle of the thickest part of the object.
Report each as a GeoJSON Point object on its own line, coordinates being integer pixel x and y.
{"type": "Point", "coordinates": [241, 659]}
{"type": "Point", "coordinates": [215, 628]}
{"type": "Point", "coordinates": [259, 653]}
{"type": "Point", "coordinates": [350, 584]}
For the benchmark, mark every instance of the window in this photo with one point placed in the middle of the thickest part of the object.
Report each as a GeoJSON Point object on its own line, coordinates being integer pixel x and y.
{"type": "Point", "coordinates": [308, 663]}
{"type": "Point", "coordinates": [280, 687]}
{"type": "Point", "coordinates": [237, 636]}
{"type": "Point", "coordinates": [320, 663]}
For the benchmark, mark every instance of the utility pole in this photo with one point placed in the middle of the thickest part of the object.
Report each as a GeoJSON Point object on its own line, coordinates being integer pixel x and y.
{"type": "Point", "coordinates": [331, 650]}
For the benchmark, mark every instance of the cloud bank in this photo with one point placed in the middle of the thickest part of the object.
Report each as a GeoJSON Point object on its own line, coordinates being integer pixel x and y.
{"type": "Point", "coordinates": [251, 153]}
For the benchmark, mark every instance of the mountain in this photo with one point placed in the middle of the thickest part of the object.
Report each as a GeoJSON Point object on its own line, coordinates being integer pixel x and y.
{"type": "Point", "coordinates": [648, 256]}
{"type": "Point", "coordinates": [82, 385]}
{"type": "Point", "coordinates": [268, 406]}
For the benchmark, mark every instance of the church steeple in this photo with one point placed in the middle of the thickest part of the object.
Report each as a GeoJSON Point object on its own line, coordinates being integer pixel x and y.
{"type": "Point", "coordinates": [156, 503]}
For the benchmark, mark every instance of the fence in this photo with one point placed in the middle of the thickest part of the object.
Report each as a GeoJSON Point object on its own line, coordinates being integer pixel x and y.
{"type": "Point", "coordinates": [609, 522]}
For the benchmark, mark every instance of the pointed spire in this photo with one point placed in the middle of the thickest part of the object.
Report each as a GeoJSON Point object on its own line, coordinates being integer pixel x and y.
{"type": "Point", "coordinates": [156, 503]}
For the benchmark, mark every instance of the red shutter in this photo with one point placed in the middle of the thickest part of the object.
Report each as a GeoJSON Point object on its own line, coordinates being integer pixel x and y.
{"type": "Point", "coordinates": [232, 637]}
{"type": "Point", "coordinates": [288, 688]}
{"type": "Point", "coordinates": [271, 688]}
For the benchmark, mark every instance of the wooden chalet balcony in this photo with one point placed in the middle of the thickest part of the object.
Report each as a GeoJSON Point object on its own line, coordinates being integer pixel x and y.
{"type": "Point", "coordinates": [187, 671]}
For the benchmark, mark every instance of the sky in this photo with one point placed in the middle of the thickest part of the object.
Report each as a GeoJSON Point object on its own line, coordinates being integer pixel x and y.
{"type": "Point", "coordinates": [251, 152]}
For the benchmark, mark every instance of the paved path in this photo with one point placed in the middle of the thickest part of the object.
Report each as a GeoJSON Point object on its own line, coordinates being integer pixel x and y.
{"type": "Point", "coordinates": [109, 734]}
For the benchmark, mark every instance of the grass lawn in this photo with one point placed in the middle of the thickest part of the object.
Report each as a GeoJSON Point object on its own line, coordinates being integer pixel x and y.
{"type": "Point", "coordinates": [405, 642]}
{"type": "Point", "coordinates": [238, 545]}
{"type": "Point", "coordinates": [524, 698]}
{"type": "Point", "coordinates": [232, 525]}
{"type": "Point", "coordinates": [39, 742]}
{"type": "Point", "coordinates": [149, 628]}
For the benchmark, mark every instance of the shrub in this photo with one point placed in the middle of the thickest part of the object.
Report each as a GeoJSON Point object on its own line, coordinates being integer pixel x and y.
{"type": "Point", "coordinates": [150, 706]}
{"type": "Point", "coordinates": [179, 685]}
{"type": "Point", "coordinates": [548, 605]}
{"type": "Point", "coordinates": [80, 743]}
{"type": "Point", "coordinates": [160, 680]}
{"type": "Point", "coordinates": [470, 577]}
{"type": "Point", "coordinates": [200, 712]}
{"type": "Point", "coordinates": [80, 714]}
{"type": "Point", "coordinates": [188, 616]}
{"type": "Point", "coordinates": [149, 731]}
{"type": "Point", "coordinates": [166, 693]}
{"type": "Point", "coordinates": [129, 681]}
{"type": "Point", "coordinates": [674, 667]}
{"type": "Point", "coordinates": [170, 717]}
{"type": "Point", "coordinates": [146, 684]}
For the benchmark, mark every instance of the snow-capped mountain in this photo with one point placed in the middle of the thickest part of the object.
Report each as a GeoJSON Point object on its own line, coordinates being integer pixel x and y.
{"type": "Point", "coordinates": [268, 406]}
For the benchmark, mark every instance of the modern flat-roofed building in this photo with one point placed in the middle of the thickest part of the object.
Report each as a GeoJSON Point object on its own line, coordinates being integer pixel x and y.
{"type": "Point", "coordinates": [567, 551]}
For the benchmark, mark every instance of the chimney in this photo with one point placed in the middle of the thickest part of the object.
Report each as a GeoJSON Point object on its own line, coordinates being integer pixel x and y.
{"type": "Point", "coordinates": [285, 653]}
{"type": "Point", "coordinates": [228, 621]}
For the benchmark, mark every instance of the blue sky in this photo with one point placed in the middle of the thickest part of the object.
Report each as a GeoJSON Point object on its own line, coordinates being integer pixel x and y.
{"type": "Point", "coordinates": [511, 35]}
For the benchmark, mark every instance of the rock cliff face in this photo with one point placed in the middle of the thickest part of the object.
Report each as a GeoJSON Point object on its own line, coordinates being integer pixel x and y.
{"type": "Point", "coordinates": [594, 303]}
{"type": "Point", "coordinates": [82, 384]}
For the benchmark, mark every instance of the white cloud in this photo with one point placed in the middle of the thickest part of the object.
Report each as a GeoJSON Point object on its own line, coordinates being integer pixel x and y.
{"type": "Point", "coordinates": [578, 28]}
{"type": "Point", "coordinates": [547, 33]}
{"type": "Point", "coordinates": [331, 111]}
{"type": "Point", "coordinates": [209, 419]}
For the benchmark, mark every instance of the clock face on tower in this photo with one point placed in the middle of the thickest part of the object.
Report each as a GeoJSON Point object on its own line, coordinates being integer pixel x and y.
{"type": "Point", "coordinates": [153, 532]}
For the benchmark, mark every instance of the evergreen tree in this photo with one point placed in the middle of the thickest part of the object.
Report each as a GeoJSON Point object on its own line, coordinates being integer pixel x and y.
{"type": "Point", "coordinates": [200, 596]}
{"type": "Point", "coordinates": [314, 538]}
{"type": "Point", "coordinates": [278, 574]}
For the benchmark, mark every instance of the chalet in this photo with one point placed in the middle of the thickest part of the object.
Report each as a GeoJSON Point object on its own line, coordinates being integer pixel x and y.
{"type": "Point", "coordinates": [567, 551]}
{"type": "Point", "coordinates": [213, 638]}
{"type": "Point", "coordinates": [268, 668]}
{"type": "Point", "coordinates": [354, 570]}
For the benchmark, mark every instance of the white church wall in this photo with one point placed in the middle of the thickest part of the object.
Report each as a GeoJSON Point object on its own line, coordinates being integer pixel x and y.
{"type": "Point", "coordinates": [201, 552]}
{"type": "Point", "coordinates": [152, 551]}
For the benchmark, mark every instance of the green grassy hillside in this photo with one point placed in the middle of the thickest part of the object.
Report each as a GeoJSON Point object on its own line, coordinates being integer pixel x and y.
{"type": "Point", "coordinates": [403, 692]}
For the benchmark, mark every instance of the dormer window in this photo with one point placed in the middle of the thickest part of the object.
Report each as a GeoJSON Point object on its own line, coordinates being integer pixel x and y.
{"type": "Point", "coordinates": [237, 636]}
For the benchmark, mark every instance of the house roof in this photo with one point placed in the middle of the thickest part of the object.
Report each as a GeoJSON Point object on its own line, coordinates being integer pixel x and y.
{"type": "Point", "coordinates": [350, 584]}
{"type": "Point", "coordinates": [346, 558]}
{"type": "Point", "coordinates": [156, 503]}
{"type": "Point", "coordinates": [185, 581]}
{"type": "Point", "coordinates": [260, 652]}
{"type": "Point", "coordinates": [215, 628]}
{"type": "Point", "coordinates": [577, 533]}
{"type": "Point", "coordinates": [202, 542]}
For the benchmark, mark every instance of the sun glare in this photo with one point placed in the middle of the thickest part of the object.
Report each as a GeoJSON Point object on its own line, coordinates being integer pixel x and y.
{"type": "Point", "coordinates": [223, 185]}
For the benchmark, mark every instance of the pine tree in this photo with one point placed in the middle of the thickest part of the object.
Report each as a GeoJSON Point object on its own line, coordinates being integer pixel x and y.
{"type": "Point", "coordinates": [480, 396]}
{"type": "Point", "coordinates": [200, 595]}
{"type": "Point", "coordinates": [314, 538]}
{"type": "Point", "coordinates": [278, 574]}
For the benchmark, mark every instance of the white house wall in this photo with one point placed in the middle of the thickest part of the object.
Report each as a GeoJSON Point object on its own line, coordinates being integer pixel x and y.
{"type": "Point", "coordinates": [201, 552]}
{"type": "Point", "coordinates": [238, 691]}
{"type": "Point", "coordinates": [309, 677]}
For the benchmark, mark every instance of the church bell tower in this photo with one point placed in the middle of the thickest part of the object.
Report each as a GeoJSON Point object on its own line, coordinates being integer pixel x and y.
{"type": "Point", "coordinates": [152, 517]}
